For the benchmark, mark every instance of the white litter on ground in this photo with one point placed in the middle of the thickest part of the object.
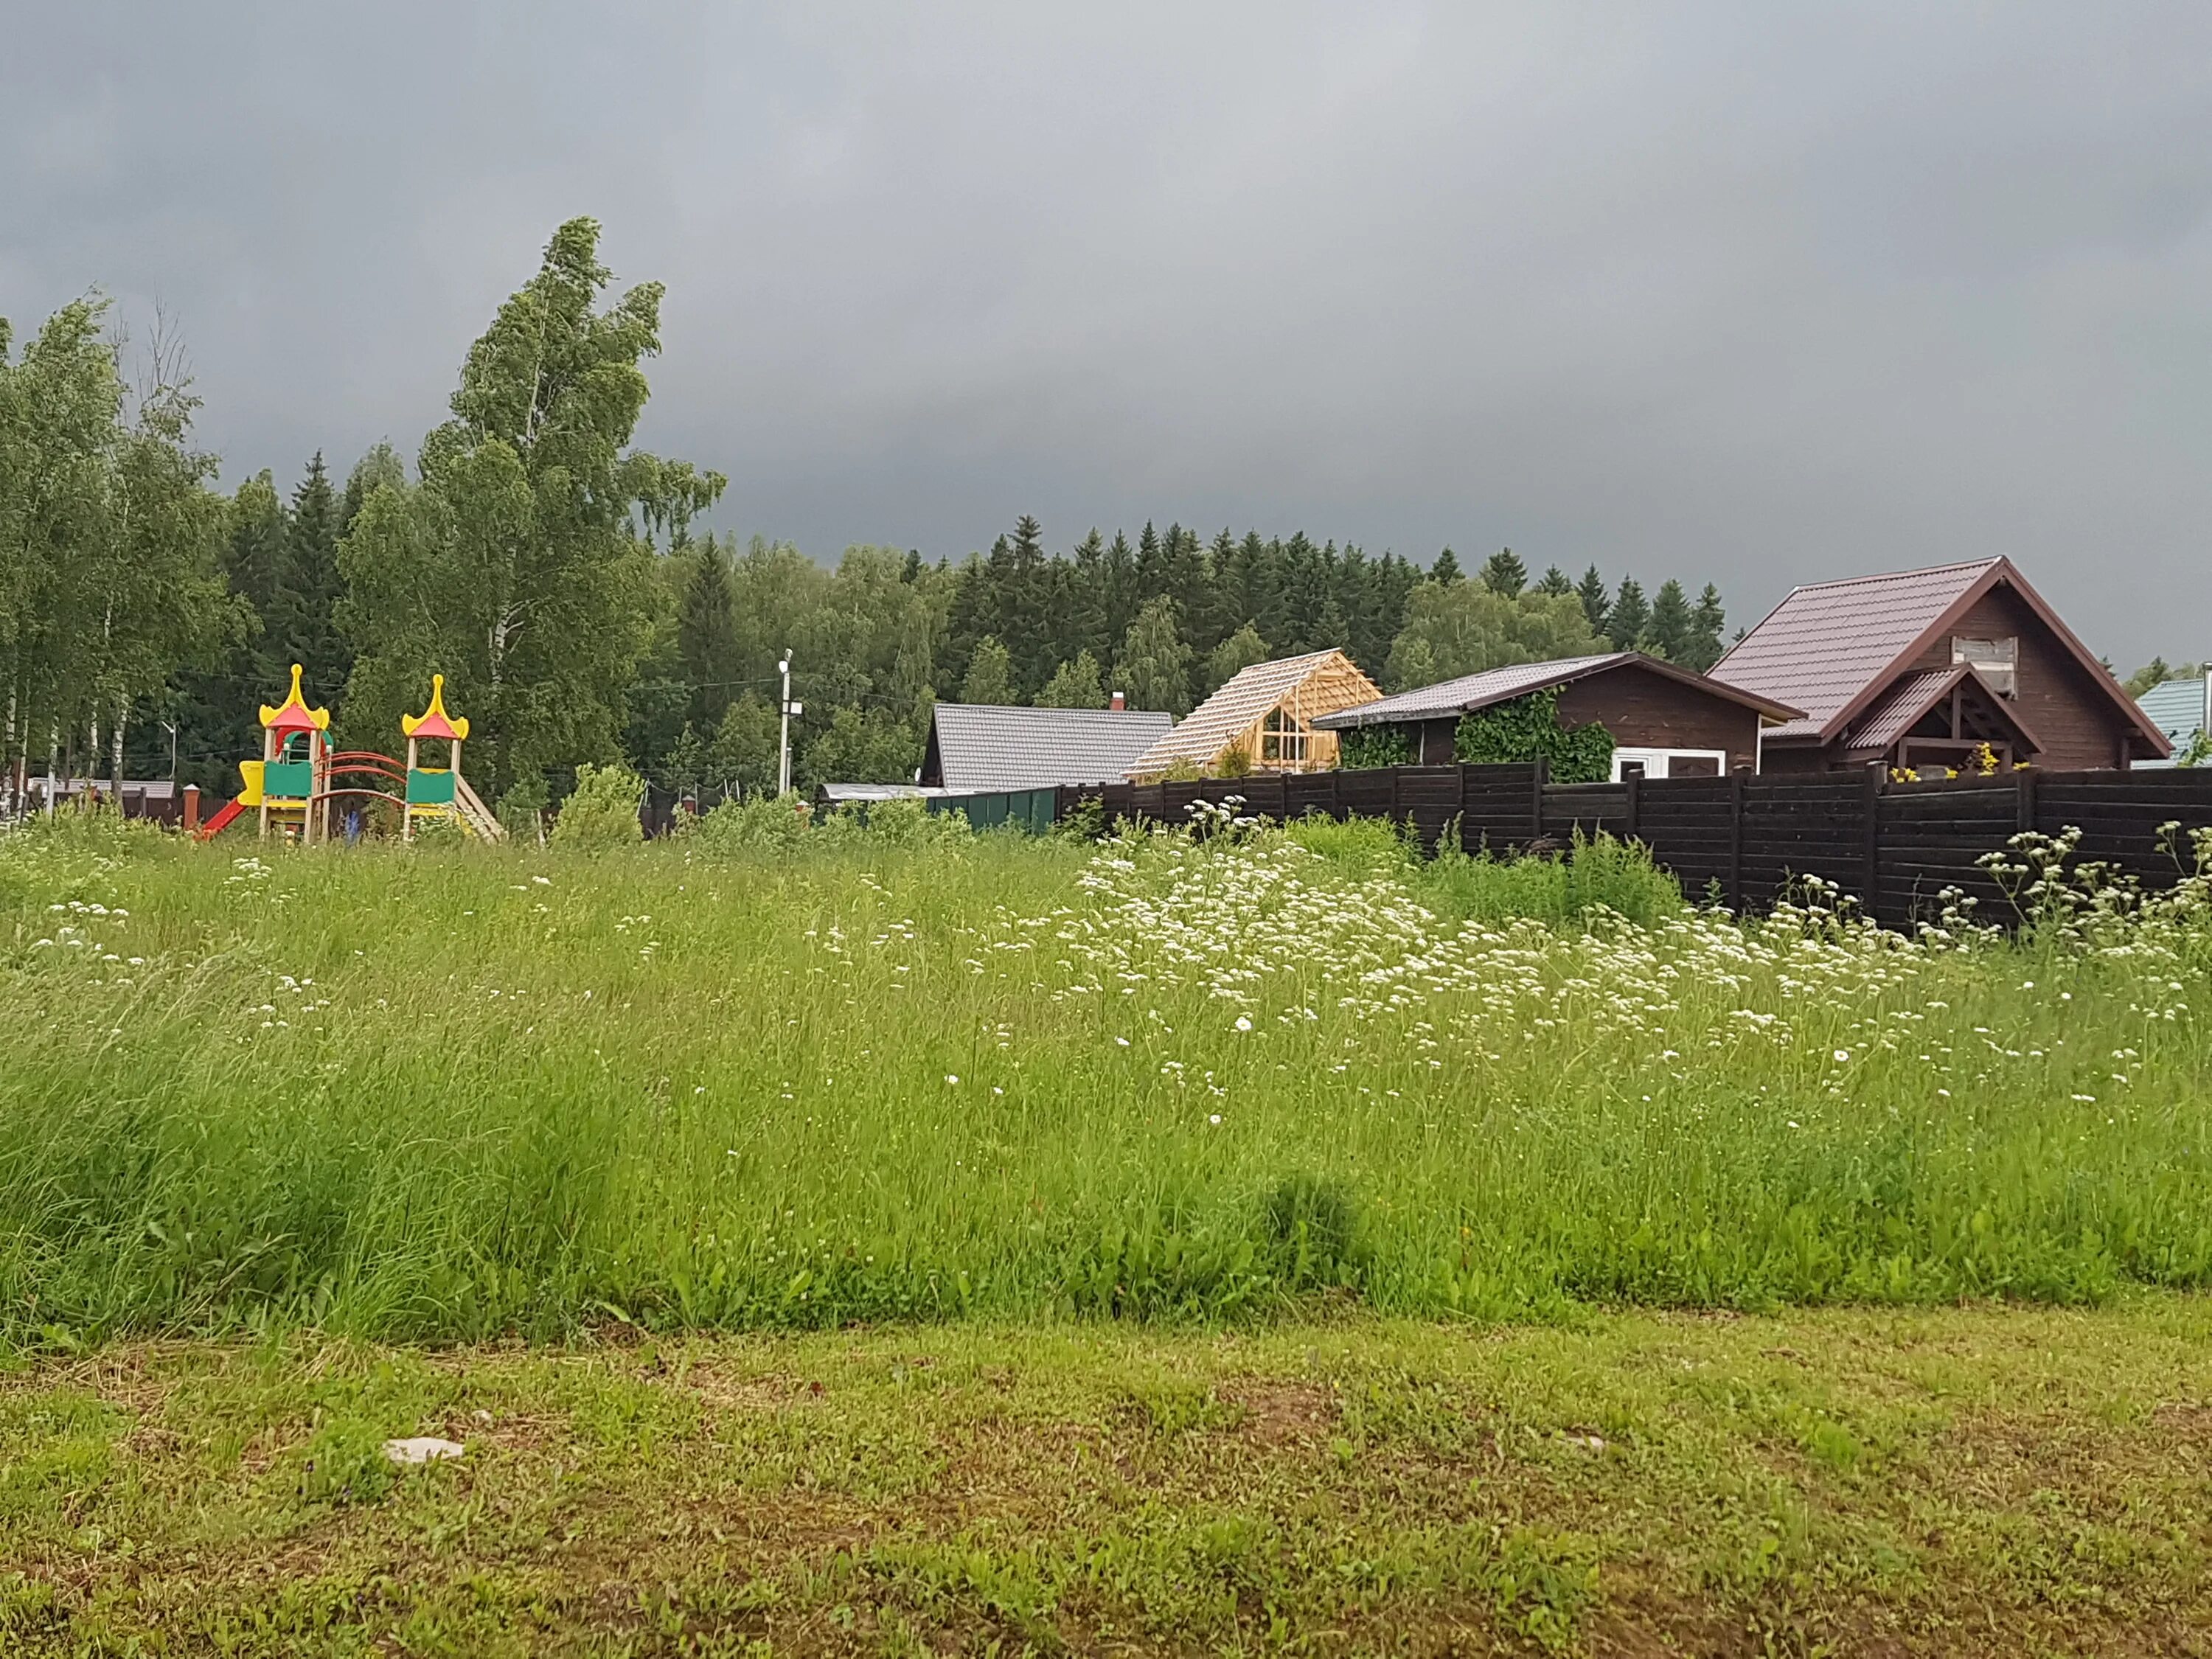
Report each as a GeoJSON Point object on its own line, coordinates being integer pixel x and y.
{"type": "Point", "coordinates": [422, 1449]}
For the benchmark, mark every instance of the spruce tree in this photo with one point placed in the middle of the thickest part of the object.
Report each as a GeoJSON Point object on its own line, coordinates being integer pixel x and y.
{"type": "Point", "coordinates": [1626, 622]}
{"type": "Point", "coordinates": [707, 634]}
{"type": "Point", "coordinates": [1667, 633]}
{"type": "Point", "coordinates": [1556, 583]}
{"type": "Point", "coordinates": [1152, 565]}
{"type": "Point", "coordinates": [1086, 598]}
{"type": "Point", "coordinates": [304, 617]}
{"type": "Point", "coordinates": [1504, 573]}
{"type": "Point", "coordinates": [1707, 619]}
{"type": "Point", "coordinates": [1295, 622]}
{"type": "Point", "coordinates": [1190, 585]}
{"type": "Point", "coordinates": [1219, 612]}
{"type": "Point", "coordinates": [1445, 569]}
{"type": "Point", "coordinates": [254, 559]}
{"type": "Point", "coordinates": [967, 618]}
{"type": "Point", "coordinates": [1591, 592]}
{"type": "Point", "coordinates": [1246, 587]}
{"type": "Point", "coordinates": [1025, 606]}
{"type": "Point", "coordinates": [1395, 581]}
{"type": "Point", "coordinates": [1121, 596]}
{"type": "Point", "coordinates": [1359, 602]}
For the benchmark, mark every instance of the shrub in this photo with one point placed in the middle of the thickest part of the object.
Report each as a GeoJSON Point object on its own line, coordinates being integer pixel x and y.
{"type": "Point", "coordinates": [901, 821]}
{"type": "Point", "coordinates": [439, 832]}
{"type": "Point", "coordinates": [603, 810]}
{"type": "Point", "coordinates": [758, 821]}
{"type": "Point", "coordinates": [1366, 845]}
{"type": "Point", "coordinates": [521, 810]}
{"type": "Point", "coordinates": [1086, 823]}
{"type": "Point", "coordinates": [1235, 762]}
{"type": "Point", "coordinates": [1600, 874]}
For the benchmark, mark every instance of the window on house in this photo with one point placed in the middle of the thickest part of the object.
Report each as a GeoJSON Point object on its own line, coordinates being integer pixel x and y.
{"type": "Point", "coordinates": [1996, 661]}
{"type": "Point", "coordinates": [1283, 739]}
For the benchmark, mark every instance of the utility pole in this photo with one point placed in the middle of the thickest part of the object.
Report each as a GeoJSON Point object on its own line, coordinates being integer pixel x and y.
{"type": "Point", "coordinates": [783, 750]}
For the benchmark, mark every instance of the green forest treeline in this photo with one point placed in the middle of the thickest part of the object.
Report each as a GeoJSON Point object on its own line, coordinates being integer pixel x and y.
{"type": "Point", "coordinates": [553, 571]}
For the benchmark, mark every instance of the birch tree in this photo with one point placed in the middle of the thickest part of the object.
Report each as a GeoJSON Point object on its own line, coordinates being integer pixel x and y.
{"type": "Point", "coordinates": [516, 561]}
{"type": "Point", "coordinates": [108, 537]}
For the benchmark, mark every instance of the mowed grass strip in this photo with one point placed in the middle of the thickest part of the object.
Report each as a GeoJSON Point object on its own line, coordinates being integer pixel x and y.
{"type": "Point", "coordinates": [451, 1093]}
{"type": "Point", "coordinates": [1958, 1481]}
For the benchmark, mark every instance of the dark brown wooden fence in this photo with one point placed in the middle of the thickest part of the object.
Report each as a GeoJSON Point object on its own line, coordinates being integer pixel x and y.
{"type": "Point", "coordinates": [1893, 845]}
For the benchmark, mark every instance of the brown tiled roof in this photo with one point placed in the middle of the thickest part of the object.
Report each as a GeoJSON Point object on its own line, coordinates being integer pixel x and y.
{"type": "Point", "coordinates": [1472, 691]}
{"type": "Point", "coordinates": [1231, 711]}
{"type": "Point", "coordinates": [1825, 644]}
{"type": "Point", "coordinates": [1897, 710]}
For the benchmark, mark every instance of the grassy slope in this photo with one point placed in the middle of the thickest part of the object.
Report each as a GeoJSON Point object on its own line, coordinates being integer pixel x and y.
{"type": "Point", "coordinates": [1960, 1481]}
{"type": "Point", "coordinates": [455, 1093]}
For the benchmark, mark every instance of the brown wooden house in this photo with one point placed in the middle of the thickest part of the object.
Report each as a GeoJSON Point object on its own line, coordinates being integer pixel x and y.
{"type": "Point", "coordinates": [1665, 721]}
{"type": "Point", "coordinates": [1919, 669]}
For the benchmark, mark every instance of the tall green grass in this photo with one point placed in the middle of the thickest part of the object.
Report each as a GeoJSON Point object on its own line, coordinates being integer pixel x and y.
{"type": "Point", "coordinates": [757, 1081]}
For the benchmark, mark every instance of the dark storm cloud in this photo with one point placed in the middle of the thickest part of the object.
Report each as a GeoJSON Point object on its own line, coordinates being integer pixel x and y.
{"type": "Point", "coordinates": [1759, 293]}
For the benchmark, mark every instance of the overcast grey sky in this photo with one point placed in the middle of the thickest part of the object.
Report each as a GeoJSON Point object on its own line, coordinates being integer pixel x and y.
{"type": "Point", "coordinates": [1760, 293]}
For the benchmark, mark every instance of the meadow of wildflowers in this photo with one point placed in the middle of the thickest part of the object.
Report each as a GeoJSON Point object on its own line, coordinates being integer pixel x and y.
{"type": "Point", "coordinates": [455, 1090]}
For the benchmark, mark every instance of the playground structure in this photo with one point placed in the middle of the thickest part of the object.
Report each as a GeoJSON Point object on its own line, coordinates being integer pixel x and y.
{"type": "Point", "coordinates": [440, 792]}
{"type": "Point", "coordinates": [298, 783]}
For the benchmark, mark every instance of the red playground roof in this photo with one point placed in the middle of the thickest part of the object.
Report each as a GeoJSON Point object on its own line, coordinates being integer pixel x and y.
{"type": "Point", "coordinates": [434, 722]}
{"type": "Point", "coordinates": [292, 714]}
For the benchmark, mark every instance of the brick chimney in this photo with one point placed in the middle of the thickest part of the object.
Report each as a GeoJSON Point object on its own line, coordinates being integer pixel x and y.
{"type": "Point", "coordinates": [1118, 703]}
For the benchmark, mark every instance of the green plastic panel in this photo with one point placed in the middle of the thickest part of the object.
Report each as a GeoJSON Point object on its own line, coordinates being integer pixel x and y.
{"type": "Point", "coordinates": [1033, 810]}
{"type": "Point", "coordinates": [429, 788]}
{"type": "Point", "coordinates": [287, 780]}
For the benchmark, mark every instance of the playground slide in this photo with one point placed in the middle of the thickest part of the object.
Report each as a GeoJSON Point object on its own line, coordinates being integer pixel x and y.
{"type": "Point", "coordinates": [475, 813]}
{"type": "Point", "coordinates": [215, 825]}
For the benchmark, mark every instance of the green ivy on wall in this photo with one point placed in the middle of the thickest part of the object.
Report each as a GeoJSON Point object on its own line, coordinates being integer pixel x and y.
{"type": "Point", "coordinates": [1366, 746]}
{"type": "Point", "coordinates": [1526, 727]}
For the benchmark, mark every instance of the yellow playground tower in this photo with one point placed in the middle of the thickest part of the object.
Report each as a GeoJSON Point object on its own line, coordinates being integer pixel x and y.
{"type": "Point", "coordinates": [440, 792]}
{"type": "Point", "coordinates": [295, 757]}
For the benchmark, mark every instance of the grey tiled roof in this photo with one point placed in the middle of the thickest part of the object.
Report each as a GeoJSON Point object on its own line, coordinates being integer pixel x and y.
{"type": "Point", "coordinates": [983, 746]}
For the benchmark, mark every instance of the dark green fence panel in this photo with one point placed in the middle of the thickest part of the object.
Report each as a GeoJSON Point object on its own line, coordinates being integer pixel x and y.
{"type": "Point", "coordinates": [1032, 810]}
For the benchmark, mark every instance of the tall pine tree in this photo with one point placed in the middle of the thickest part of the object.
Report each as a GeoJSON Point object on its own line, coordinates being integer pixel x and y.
{"type": "Point", "coordinates": [1668, 633]}
{"type": "Point", "coordinates": [1707, 619]}
{"type": "Point", "coordinates": [1626, 622]}
{"type": "Point", "coordinates": [707, 634]}
{"type": "Point", "coordinates": [1504, 573]}
{"type": "Point", "coordinates": [253, 558]}
{"type": "Point", "coordinates": [1590, 590]}
{"type": "Point", "coordinates": [303, 619]}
